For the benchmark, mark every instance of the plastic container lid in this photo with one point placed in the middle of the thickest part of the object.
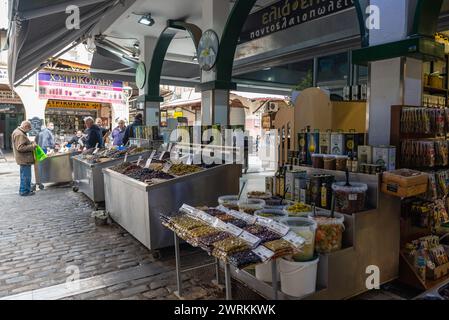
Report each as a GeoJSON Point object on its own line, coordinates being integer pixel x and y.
{"type": "Point", "coordinates": [329, 156]}
{"type": "Point", "coordinates": [324, 217]}
{"type": "Point", "coordinates": [341, 157]}
{"type": "Point", "coordinates": [225, 199]}
{"type": "Point", "coordinates": [354, 188]}
{"type": "Point", "coordinates": [300, 223]}
{"type": "Point", "coordinates": [263, 195]}
{"type": "Point", "coordinates": [317, 155]}
{"type": "Point", "coordinates": [252, 202]}
{"type": "Point", "coordinates": [276, 215]}
{"type": "Point", "coordinates": [278, 206]}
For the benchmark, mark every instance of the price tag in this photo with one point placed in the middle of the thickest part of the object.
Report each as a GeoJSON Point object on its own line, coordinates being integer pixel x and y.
{"type": "Point", "coordinates": [206, 217]}
{"type": "Point", "coordinates": [265, 222]}
{"type": "Point", "coordinates": [188, 209]}
{"type": "Point", "coordinates": [162, 155]}
{"type": "Point", "coordinates": [235, 231]}
{"type": "Point", "coordinates": [250, 238]}
{"type": "Point", "coordinates": [280, 228]}
{"type": "Point", "coordinates": [96, 151]}
{"type": "Point", "coordinates": [147, 165]}
{"type": "Point", "coordinates": [126, 157]}
{"type": "Point", "coordinates": [352, 197]}
{"type": "Point", "coordinates": [167, 167]}
{"type": "Point", "coordinates": [189, 160]}
{"type": "Point", "coordinates": [219, 224]}
{"type": "Point", "coordinates": [294, 239]}
{"type": "Point", "coordinates": [239, 215]}
{"type": "Point", "coordinates": [264, 253]}
{"type": "Point", "coordinates": [139, 160]}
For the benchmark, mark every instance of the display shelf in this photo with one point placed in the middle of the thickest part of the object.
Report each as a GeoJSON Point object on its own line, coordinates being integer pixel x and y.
{"type": "Point", "coordinates": [409, 276]}
{"type": "Point", "coordinates": [435, 91]}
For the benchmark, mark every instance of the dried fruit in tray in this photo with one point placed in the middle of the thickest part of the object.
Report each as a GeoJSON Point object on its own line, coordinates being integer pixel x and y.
{"type": "Point", "coordinates": [263, 233]}
{"type": "Point", "coordinates": [209, 240]}
{"type": "Point", "coordinates": [225, 217]}
{"type": "Point", "coordinates": [238, 223]}
{"type": "Point", "coordinates": [201, 232]}
{"type": "Point", "coordinates": [231, 245]}
{"type": "Point", "coordinates": [183, 169]}
{"type": "Point", "coordinates": [280, 248]}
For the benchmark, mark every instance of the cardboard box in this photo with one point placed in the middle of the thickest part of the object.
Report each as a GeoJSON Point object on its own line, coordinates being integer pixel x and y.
{"type": "Point", "coordinates": [365, 154]}
{"type": "Point", "coordinates": [337, 143]}
{"type": "Point", "coordinates": [396, 190]}
{"type": "Point", "coordinates": [385, 156]}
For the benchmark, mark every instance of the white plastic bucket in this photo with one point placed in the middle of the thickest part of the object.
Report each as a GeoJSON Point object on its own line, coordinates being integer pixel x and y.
{"type": "Point", "coordinates": [298, 279]}
{"type": "Point", "coordinates": [264, 271]}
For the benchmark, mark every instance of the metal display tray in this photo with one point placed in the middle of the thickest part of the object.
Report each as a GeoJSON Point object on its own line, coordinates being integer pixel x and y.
{"type": "Point", "coordinates": [57, 168]}
{"type": "Point", "coordinates": [137, 206]}
{"type": "Point", "coordinates": [89, 179]}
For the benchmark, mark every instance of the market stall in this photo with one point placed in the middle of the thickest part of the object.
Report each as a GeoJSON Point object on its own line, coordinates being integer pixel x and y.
{"type": "Point", "coordinates": [136, 196]}
{"type": "Point", "coordinates": [56, 168]}
{"type": "Point", "coordinates": [87, 169]}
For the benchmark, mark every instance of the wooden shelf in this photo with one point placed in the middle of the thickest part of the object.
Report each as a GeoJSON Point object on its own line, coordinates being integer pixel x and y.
{"type": "Point", "coordinates": [432, 90]}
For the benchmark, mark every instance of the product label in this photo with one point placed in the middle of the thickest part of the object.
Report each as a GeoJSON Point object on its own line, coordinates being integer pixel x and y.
{"type": "Point", "coordinates": [280, 228]}
{"type": "Point", "coordinates": [126, 158]}
{"type": "Point", "coordinates": [352, 197]}
{"type": "Point", "coordinates": [294, 239]}
{"type": "Point", "coordinates": [265, 222]}
{"type": "Point", "coordinates": [162, 155]}
{"type": "Point", "coordinates": [264, 253]}
{"type": "Point", "coordinates": [167, 167]}
{"type": "Point", "coordinates": [188, 209]}
{"type": "Point", "coordinates": [239, 215]}
{"type": "Point", "coordinates": [139, 160]}
{"type": "Point", "coordinates": [219, 224]}
{"type": "Point", "coordinates": [251, 239]}
{"type": "Point", "coordinates": [235, 231]}
{"type": "Point", "coordinates": [148, 163]}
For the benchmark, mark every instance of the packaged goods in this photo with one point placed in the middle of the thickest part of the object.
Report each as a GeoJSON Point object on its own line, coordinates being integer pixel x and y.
{"type": "Point", "coordinates": [385, 156]}
{"type": "Point", "coordinates": [299, 209]}
{"type": "Point", "coordinates": [318, 161]}
{"type": "Point", "coordinates": [244, 259]}
{"type": "Point", "coordinates": [207, 242]}
{"type": "Point", "coordinates": [280, 248]}
{"type": "Point", "coordinates": [238, 223]}
{"type": "Point", "coordinates": [365, 154]}
{"type": "Point", "coordinates": [230, 202]}
{"type": "Point", "coordinates": [275, 215]}
{"type": "Point", "coordinates": [201, 232]}
{"type": "Point", "coordinates": [325, 142]}
{"type": "Point", "coordinates": [263, 233]}
{"type": "Point", "coordinates": [250, 206]}
{"type": "Point", "coordinates": [329, 233]}
{"type": "Point", "coordinates": [337, 143]}
{"type": "Point", "coordinates": [349, 199]}
{"type": "Point", "coordinates": [224, 248]}
{"type": "Point", "coordinates": [224, 217]}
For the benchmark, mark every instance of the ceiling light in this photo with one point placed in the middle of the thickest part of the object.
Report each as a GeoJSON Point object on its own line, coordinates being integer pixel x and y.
{"type": "Point", "coordinates": [147, 20]}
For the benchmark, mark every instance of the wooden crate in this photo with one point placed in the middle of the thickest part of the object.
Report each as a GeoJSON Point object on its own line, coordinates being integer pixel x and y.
{"type": "Point", "coordinates": [438, 272]}
{"type": "Point", "coordinates": [403, 192]}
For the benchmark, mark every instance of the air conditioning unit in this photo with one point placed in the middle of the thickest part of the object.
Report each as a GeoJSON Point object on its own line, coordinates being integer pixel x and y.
{"type": "Point", "coordinates": [272, 107]}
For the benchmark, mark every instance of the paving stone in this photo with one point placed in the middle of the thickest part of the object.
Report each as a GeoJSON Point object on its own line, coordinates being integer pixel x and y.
{"type": "Point", "coordinates": [158, 284]}
{"type": "Point", "coordinates": [159, 293]}
{"type": "Point", "coordinates": [132, 291]}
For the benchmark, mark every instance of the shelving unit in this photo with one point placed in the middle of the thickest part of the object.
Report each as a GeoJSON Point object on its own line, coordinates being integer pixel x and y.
{"type": "Point", "coordinates": [432, 67]}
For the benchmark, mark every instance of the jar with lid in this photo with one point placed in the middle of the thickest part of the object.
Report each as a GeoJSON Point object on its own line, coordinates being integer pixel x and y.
{"type": "Point", "coordinates": [330, 162]}
{"type": "Point", "coordinates": [317, 161]}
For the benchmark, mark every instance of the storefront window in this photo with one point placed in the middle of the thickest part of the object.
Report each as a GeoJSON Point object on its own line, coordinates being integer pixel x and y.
{"type": "Point", "coordinates": [333, 73]}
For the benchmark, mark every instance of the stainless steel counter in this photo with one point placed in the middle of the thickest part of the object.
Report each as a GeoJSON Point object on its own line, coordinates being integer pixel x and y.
{"type": "Point", "coordinates": [57, 168]}
{"type": "Point", "coordinates": [137, 206]}
{"type": "Point", "coordinates": [89, 179]}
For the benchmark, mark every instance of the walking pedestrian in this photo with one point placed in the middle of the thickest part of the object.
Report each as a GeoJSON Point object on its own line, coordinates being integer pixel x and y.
{"type": "Point", "coordinates": [130, 130]}
{"type": "Point", "coordinates": [93, 134]}
{"type": "Point", "coordinates": [118, 133]}
{"type": "Point", "coordinates": [23, 153]}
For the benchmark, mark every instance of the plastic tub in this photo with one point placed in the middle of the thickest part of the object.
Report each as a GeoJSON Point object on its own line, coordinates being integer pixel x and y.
{"type": "Point", "coordinates": [298, 209]}
{"type": "Point", "coordinates": [298, 279]}
{"type": "Point", "coordinates": [250, 206]}
{"type": "Point", "coordinates": [330, 162]}
{"type": "Point", "coordinates": [259, 195]}
{"type": "Point", "coordinates": [230, 202]}
{"type": "Point", "coordinates": [276, 215]}
{"type": "Point", "coordinates": [279, 206]}
{"type": "Point", "coordinates": [349, 199]}
{"type": "Point", "coordinates": [305, 228]}
{"type": "Point", "coordinates": [317, 161]}
{"type": "Point", "coordinates": [341, 163]}
{"type": "Point", "coordinates": [264, 271]}
{"type": "Point", "coordinates": [329, 233]}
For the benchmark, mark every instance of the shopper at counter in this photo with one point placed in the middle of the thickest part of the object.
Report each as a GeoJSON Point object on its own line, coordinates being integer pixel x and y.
{"type": "Point", "coordinates": [46, 138]}
{"type": "Point", "coordinates": [75, 141]}
{"type": "Point", "coordinates": [23, 153]}
{"type": "Point", "coordinates": [118, 133]}
{"type": "Point", "coordinates": [93, 134]}
{"type": "Point", "coordinates": [105, 132]}
{"type": "Point", "coordinates": [130, 131]}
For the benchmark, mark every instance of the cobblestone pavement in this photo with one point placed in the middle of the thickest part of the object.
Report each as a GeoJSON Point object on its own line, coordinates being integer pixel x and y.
{"type": "Point", "coordinates": [43, 235]}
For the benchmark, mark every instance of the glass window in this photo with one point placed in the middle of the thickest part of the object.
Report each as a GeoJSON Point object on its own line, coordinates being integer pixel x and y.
{"type": "Point", "coordinates": [333, 69]}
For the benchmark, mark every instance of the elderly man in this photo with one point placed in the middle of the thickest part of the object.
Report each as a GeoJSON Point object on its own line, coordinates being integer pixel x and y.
{"type": "Point", "coordinates": [119, 132]}
{"type": "Point", "coordinates": [93, 134]}
{"type": "Point", "coordinates": [24, 155]}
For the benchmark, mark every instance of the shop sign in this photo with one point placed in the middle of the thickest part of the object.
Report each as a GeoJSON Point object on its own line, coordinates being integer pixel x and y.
{"type": "Point", "coordinates": [36, 126]}
{"type": "Point", "coordinates": [58, 104]}
{"type": "Point", "coordinates": [80, 88]}
{"type": "Point", "coordinates": [3, 75]}
{"type": "Point", "coordinates": [178, 114]}
{"type": "Point", "coordinates": [286, 14]}
{"type": "Point", "coordinates": [8, 96]}
{"type": "Point", "coordinates": [8, 108]}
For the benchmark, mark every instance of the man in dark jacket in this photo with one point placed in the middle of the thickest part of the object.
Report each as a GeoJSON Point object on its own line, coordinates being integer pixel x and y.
{"type": "Point", "coordinates": [93, 134]}
{"type": "Point", "coordinates": [130, 130]}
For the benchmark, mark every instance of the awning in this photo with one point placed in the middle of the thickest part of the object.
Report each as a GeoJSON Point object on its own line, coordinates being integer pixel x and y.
{"type": "Point", "coordinates": [38, 30]}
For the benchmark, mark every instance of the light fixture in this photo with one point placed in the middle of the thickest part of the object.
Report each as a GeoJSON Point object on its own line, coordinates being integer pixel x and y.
{"type": "Point", "coordinates": [136, 45]}
{"type": "Point", "coordinates": [147, 20]}
{"type": "Point", "coordinates": [195, 59]}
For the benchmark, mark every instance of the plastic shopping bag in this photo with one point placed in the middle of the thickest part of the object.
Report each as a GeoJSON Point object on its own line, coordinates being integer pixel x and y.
{"type": "Point", "coordinates": [39, 154]}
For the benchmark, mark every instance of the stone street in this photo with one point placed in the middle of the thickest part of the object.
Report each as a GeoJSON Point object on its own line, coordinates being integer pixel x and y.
{"type": "Point", "coordinates": [51, 237]}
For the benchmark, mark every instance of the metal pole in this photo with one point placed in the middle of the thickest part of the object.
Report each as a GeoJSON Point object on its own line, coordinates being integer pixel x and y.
{"type": "Point", "coordinates": [228, 282]}
{"type": "Point", "coordinates": [274, 277]}
{"type": "Point", "coordinates": [217, 270]}
{"type": "Point", "coordinates": [178, 265]}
